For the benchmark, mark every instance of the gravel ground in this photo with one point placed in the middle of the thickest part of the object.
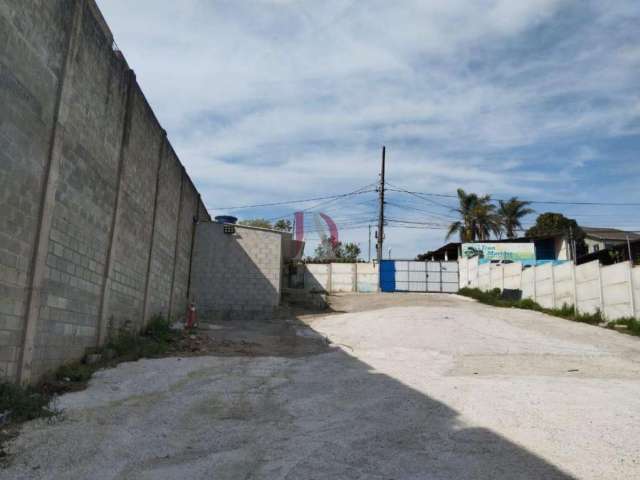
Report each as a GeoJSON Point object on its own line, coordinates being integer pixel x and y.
{"type": "Point", "coordinates": [415, 387]}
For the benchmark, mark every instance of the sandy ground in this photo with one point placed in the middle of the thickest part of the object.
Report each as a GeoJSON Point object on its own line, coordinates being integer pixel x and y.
{"type": "Point", "coordinates": [415, 387]}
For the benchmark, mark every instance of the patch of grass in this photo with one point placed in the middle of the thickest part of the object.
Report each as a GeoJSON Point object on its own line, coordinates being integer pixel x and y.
{"type": "Point", "coordinates": [494, 297]}
{"type": "Point", "coordinates": [28, 403]}
{"type": "Point", "coordinates": [630, 325]}
{"type": "Point", "coordinates": [24, 403]}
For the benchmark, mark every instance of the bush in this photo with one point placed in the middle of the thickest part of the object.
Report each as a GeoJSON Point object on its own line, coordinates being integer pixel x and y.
{"type": "Point", "coordinates": [24, 403]}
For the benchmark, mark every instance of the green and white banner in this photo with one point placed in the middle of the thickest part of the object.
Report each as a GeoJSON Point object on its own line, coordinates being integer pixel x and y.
{"type": "Point", "coordinates": [496, 252]}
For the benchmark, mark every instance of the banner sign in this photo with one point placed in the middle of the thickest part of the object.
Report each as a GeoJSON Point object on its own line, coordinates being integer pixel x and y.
{"type": "Point", "coordinates": [500, 252]}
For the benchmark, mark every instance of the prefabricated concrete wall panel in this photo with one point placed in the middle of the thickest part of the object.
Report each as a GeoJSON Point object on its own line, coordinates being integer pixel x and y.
{"type": "Point", "coordinates": [512, 273]}
{"type": "Point", "coordinates": [528, 283]}
{"type": "Point", "coordinates": [463, 267]}
{"type": "Point", "coordinates": [616, 291]}
{"type": "Point", "coordinates": [473, 272]}
{"type": "Point", "coordinates": [165, 234]}
{"type": "Point", "coordinates": [134, 224]}
{"type": "Point", "coordinates": [495, 275]}
{"type": "Point", "coordinates": [342, 277]}
{"type": "Point", "coordinates": [188, 214]}
{"type": "Point", "coordinates": [85, 199]}
{"type": "Point", "coordinates": [484, 276]}
{"type": "Point", "coordinates": [564, 287]}
{"type": "Point", "coordinates": [317, 277]}
{"type": "Point", "coordinates": [368, 277]}
{"type": "Point", "coordinates": [588, 287]}
{"type": "Point", "coordinates": [236, 275]}
{"type": "Point", "coordinates": [32, 51]}
{"type": "Point", "coordinates": [545, 285]}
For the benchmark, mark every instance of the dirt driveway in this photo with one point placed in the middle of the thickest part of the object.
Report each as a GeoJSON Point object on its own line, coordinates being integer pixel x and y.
{"type": "Point", "coordinates": [415, 387]}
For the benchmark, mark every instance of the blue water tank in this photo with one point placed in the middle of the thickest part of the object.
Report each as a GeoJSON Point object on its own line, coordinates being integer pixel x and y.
{"type": "Point", "coordinates": [226, 219]}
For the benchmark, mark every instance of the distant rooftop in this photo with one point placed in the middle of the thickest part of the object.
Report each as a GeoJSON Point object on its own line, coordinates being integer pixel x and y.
{"type": "Point", "coordinates": [609, 233]}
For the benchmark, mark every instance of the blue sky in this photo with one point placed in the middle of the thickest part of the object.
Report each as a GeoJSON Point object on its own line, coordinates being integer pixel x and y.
{"type": "Point", "coordinates": [271, 100]}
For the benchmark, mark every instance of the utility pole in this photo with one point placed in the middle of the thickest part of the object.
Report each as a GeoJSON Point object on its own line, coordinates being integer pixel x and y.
{"type": "Point", "coordinates": [369, 258]}
{"type": "Point", "coordinates": [629, 248]}
{"type": "Point", "coordinates": [380, 236]}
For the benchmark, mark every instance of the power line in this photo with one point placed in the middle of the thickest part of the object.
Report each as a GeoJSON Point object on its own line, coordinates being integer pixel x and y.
{"type": "Point", "coordinates": [542, 202]}
{"type": "Point", "coordinates": [273, 204]}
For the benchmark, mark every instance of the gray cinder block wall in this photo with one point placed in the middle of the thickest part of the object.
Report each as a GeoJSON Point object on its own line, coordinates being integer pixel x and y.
{"type": "Point", "coordinates": [239, 275]}
{"type": "Point", "coordinates": [96, 210]}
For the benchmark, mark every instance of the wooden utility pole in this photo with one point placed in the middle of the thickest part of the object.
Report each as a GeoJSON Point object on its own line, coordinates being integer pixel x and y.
{"type": "Point", "coordinates": [369, 257]}
{"type": "Point", "coordinates": [381, 216]}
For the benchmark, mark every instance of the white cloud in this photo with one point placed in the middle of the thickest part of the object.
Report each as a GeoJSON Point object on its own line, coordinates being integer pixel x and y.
{"type": "Point", "coordinates": [268, 100]}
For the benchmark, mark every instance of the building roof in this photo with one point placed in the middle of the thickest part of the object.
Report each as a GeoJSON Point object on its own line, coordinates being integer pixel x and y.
{"type": "Point", "coordinates": [609, 234]}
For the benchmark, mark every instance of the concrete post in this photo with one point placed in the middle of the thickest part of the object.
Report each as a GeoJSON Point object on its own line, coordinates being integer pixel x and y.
{"type": "Point", "coordinates": [553, 286]}
{"type": "Point", "coordinates": [48, 198]}
{"type": "Point", "coordinates": [115, 216]}
{"type": "Point", "coordinates": [575, 288]}
{"type": "Point", "coordinates": [601, 291]}
{"type": "Point", "coordinates": [355, 276]}
{"type": "Point", "coordinates": [535, 283]}
{"type": "Point", "coordinates": [329, 278]}
{"type": "Point", "coordinates": [502, 277]}
{"type": "Point", "coordinates": [145, 303]}
{"type": "Point", "coordinates": [634, 312]}
{"type": "Point", "coordinates": [175, 247]}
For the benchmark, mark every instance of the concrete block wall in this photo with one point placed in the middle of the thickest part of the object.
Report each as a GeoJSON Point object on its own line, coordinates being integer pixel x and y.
{"type": "Point", "coordinates": [614, 290]}
{"type": "Point", "coordinates": [237, 276]}
{"type": "Point", "coordinates": [85, 166]}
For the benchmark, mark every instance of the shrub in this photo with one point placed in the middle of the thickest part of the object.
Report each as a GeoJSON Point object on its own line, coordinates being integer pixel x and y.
{"type": "Point", "coordinates": [24, 403]}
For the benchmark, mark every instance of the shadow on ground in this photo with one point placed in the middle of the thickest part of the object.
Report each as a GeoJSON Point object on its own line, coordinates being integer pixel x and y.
{"type": "Point", "coordinates": [318, 413]}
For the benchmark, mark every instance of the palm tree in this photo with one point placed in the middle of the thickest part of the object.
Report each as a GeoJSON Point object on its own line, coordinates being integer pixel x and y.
{"type": "Point", "coordinates": [511, 212]}
{"type": "Point", "coordinates": [478, 219]}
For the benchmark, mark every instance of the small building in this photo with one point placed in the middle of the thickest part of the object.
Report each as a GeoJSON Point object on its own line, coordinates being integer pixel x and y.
{"type": "Point", "coordinates": [604, 238]}
{"type": "Point", "coordinates": [237, 270]}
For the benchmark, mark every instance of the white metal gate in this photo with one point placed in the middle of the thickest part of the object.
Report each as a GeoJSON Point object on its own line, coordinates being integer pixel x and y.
{"type": "Point", "coordinates": [416, 276]}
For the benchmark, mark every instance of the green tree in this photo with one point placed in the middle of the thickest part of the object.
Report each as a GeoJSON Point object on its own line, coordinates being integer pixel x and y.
{"type": "Point", "coordinates": [257, 222]}
{"type": "Point", "coordinates": [550, 224]}
{"type": "Point", "coordinates": [478, 218]}
{"type": "Point", "coordinates": [283, 225]}
{"type": "Point", "coordinates": [350, 252]}
{"type": "Point", "coordinates": [511, 212]}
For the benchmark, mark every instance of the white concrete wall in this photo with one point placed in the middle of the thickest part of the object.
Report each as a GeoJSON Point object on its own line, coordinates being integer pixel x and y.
{"type": "Point", "coordinates": [563, 284]}
{"type": "Point", "coordinates": [367, 277]}
{"type": "Point", "coordinates": [341, 277]}
{"type": "Point", "coordinates": [614, 289]}
{"type": "Point", "coordinates": [588, 287]}
{"type": "Point", "coordinates": [317, 277]}
{"type": "Point", "coordinates": [512, 274]}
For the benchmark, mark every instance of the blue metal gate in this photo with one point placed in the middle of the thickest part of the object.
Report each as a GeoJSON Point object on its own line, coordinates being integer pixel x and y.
{"type": "Point", "coordinates": [415, 276]}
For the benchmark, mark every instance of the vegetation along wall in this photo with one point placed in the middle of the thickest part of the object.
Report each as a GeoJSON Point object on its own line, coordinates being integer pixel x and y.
{"type": "Point", "coordinates": [97, 210]}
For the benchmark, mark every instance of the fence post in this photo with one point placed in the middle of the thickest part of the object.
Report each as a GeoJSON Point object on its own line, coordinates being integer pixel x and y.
{"type": "Point", "coordinates": [601, 290]}
{"type": "Point", "coordinates": [502, 277]}
{"type": "Point", "coordinates": [355, 277]}
{"type": "Point", "coordinates": [575, 288]}
{"type": "Point", "coordinates": [553, 286]}
{"type": "Point", "coordinates": [51, 179]}
{"type": "Point", "coordinates": [329, 277]}
{"type": "Point", "coordinates": [632, 291]}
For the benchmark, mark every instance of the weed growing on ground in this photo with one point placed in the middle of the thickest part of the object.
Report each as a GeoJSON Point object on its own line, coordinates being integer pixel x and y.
{"type": "Point", "coordinates": [632, 325]}
{"type": "Point", "coordinates": [28, 403]}
{"type": "Point", "coordinates": [494, 297]}
{"type": "Point", "coordinates": [23, 403]}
